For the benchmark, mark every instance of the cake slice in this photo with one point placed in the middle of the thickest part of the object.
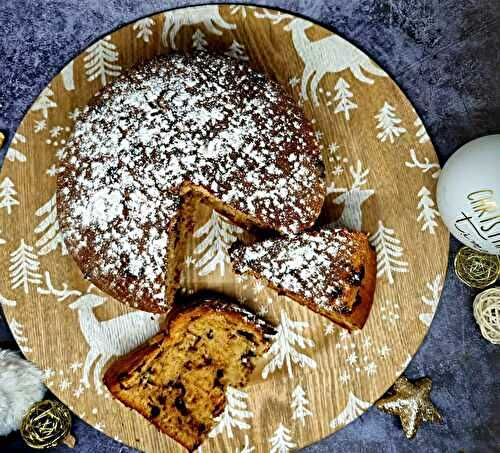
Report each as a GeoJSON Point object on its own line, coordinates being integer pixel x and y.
{"type": "Point", "coordinates": [178, 379]}
{"type": "Point", "coordinates": [330, 271]}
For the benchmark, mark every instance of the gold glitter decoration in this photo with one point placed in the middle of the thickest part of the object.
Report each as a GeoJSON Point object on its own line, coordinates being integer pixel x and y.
{"type": "Point", "coordinates": [476, 269]}
{"type": "Point", "coordinates": [487, 314]}
{"type": "Point", "coordinates": [46, 425]}
{"type": "Point", "coordinates": [410, 401]}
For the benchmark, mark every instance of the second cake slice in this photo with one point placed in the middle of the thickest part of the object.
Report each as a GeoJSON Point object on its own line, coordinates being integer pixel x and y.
{"type": "Point", "coordinates": [331, 271]}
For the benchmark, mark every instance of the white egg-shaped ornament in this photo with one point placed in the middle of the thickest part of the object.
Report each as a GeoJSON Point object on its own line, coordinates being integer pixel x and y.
{"type": "Point", "coordinates": [468, 194]}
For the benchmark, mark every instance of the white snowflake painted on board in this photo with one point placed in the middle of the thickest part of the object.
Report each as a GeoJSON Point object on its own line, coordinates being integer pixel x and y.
{"type": "Point", "coordinates": [2, 241]}
{"type": "Point", "coordinates": [435, 288]}
{"type": "Point", "coordinates": [421, 133]}
{"type": "Point", "coordinates": [247, 448]}
{"type": "Point", "coordinates": [428, 213]}
{"type": "Point", "coordinates": [218, 234]}
{"type": "Point", "coordinates": [7, 195]}
{"type": "Point", "coordinates": [388, 123]}
{"type": "Point", "coordinates": [329, 329]}
{"type": "Point", "coordinates": [299, 405]}
{"type": "Point", "coordinates": [199, 41]}
{"type": "Point", "coordinates": [425, 166]}
{"type": "Point", "coordinates": [51, 237]}
{"type": "Point", "coordinates": [235, 414]}
{"type": "Point", "coordinates": [24, 267]}
{"type": "Point", "coordinates": [344, 98]}
{"type": "Point", "coordinates": [283, 349]}
{"type": "Point", "coordinates": [352, 198]}
{"type": "Point", "coordinates": [74, 114]}
{"type": "Point", "coordinates": [39, 126]}
{"type": "Point", "coordinates": [281, 441]}
{"type": "Point", "coordinates": [53, 170]}
{"type": "Point", "coordinates": [353, 409]}
{"type": "Point", "coordinates": [100, 61]}
{"type": "Point", "coordinates": [342, 55]}
{"type": "Point", "coordinates": [237, 51]}
{"type": "Point", "coordinates": [17, 332]}
{"type": "Point", "coordinates": [144, 28]}
{"type": "Point", "coordinates": [344, 377]}
{"type": "Point", "coordinates": [389, 252]}
{"type": "Point", "coordinates": [60, 294]}
{"type": "Point", "coordinates": [14, 154]}
{"type": "Point", "coordinates": [209, 16]}
{"type": "Point", "coordinates": [43, 103]}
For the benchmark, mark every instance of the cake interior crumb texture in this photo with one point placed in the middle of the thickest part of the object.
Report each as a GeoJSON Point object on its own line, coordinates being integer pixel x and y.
{"type": "Point", "coordinates": [331, 271]}
{"type": "Point", "coordinates": [171, 131]}
{"type": "Point", "coordinates": [178, 380]}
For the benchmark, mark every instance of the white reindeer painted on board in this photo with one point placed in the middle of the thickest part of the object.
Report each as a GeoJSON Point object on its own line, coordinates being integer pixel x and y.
{"type": "Point", "coordinates": [110, 338]}
{"type": "Point", "coordinates": [331, 54]}
{"type": "Point", "coordinates": [353, 198]}
{"type": "Point", "coordinates": [208, 15]}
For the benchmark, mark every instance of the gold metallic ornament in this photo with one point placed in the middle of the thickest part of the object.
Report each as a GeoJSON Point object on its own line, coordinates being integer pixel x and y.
{"type": "Point", "coordinates": [2, 139]}
{"type": "Point", "coordinates": [476, 269]}
{"type": "Point", "coordinates": [410, 401]}
{"type": "Point", "coordinates": [46, 425]}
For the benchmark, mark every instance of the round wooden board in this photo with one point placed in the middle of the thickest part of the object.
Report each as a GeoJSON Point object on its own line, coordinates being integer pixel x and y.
{"type": "Point", "coordinates": [381, 171]}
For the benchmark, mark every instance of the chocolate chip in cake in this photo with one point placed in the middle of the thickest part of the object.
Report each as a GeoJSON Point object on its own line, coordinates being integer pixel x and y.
{"type": "Point", "coordinates": [155, 411]}
{"type": "Point", "coordinates": [246, 335]}
{"type": "Point", "coordinates": [181, 406]}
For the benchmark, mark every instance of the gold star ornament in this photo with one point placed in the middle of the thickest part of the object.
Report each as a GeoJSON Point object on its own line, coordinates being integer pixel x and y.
{"type": "Point", "coordinates": [411, 402]}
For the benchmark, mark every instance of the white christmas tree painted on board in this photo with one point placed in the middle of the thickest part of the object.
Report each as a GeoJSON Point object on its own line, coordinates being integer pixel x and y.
{"type": "Point", "coordinates": [17, 332]}
{"type": "Point", "coordinates": [49, 228]}
{"type": "Point", "coordinates": [281, 441]}
{"type": "Point", "coordinates": [354, 408]}
{"type": "Point", "coordinates": [427, 213]}
{"type": "Point", "coordinates": [14, 154]}
{"type": "Point", "coordinates": [43, 103]}
{"type": "Point", "coordinates": [299, 405]}
{"type": "Point", "coordinates": [237, 51]}
{"type": "Point", "coordinates": [234, 415]}
{"type": "Point", "coordinates": [143, 28]}
{"type": "Point", "coordinates": [283, 350]}
{"type": "Point", "coordinates": [434, 287]}
{"type": "Point", "coordinates": [100, 61]}
{"type": "Point", "coordinates": [388, 123]}
{"type": "Point", "coordinates": [24, 267]}
{"type": "Point", "coordinates": [218, 234]}
{"type": "Point", "coordinates": [7, 195]}
{"type": "Point", "coordinates": [199, 41]}
{"type": "Point", "coordinates": [389, 252]}
{"type": "Point", "coordinates": [421, 133]}
{"type": "Point", "coordinates": [247, 448]}
{"type": "Point", "coordinates": [343, 96]}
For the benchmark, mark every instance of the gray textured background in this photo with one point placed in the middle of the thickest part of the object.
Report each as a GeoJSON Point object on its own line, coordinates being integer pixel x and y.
{"type": "Point", "coordinates": [445, 54]}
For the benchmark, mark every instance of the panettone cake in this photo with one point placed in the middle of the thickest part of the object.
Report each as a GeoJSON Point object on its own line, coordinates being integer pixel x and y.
{"type": "Point", "coordinates": [179, 378]}
{"type": "Point", "coordinates": [331, 271]}
{"type": "Point", "coordinates": [175, 131]}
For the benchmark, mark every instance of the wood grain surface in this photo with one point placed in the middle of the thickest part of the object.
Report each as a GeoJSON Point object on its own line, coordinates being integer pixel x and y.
{"type": "Point", "coordinates": [381, 171]}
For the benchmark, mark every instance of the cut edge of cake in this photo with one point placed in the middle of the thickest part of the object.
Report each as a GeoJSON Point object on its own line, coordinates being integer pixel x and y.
{"type": "Point", "coordinates": [249, 330]}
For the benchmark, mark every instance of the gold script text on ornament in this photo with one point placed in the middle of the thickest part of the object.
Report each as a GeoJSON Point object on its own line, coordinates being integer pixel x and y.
{"type": "Point", "coordinates": [485, 219]}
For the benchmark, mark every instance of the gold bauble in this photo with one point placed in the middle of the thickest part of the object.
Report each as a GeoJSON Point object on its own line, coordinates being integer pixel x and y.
{"type": "Point", "coordinates": [476, 269]}
{"type": "Point", "coordinates": [46, 425]}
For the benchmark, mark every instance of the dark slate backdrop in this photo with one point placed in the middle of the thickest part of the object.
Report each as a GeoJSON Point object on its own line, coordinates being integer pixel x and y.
{"type": "Point", "coordinates": [445, 54]}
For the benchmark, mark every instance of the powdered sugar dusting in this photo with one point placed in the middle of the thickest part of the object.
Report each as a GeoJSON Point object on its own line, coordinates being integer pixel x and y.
{"type": "Point", "coordinates": [205, 119]}
{"type": "Point", "coordinates": [312, 264]}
